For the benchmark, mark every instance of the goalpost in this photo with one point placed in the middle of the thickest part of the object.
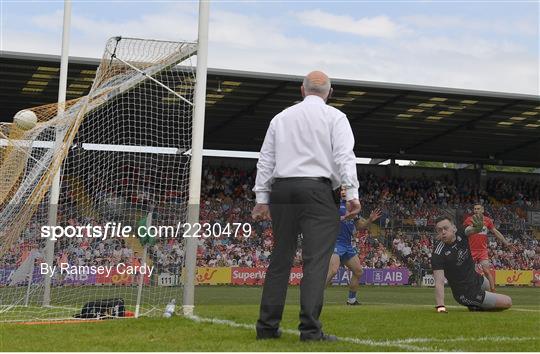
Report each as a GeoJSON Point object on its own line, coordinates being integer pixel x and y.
{"type": "Point", "coordinates": [55, 187]}
{"type": "Point", "coordinates": [196, 161]}
{"type": "Point", "coordinates": [130, 155]}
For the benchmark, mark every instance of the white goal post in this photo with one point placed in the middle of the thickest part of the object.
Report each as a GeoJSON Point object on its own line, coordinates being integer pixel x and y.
{"type": "Point", "coordinates": [188, 302]}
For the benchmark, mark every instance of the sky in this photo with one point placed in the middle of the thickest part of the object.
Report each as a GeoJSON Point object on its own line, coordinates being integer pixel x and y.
{"type": "Point", "coordinates": [480, 45]}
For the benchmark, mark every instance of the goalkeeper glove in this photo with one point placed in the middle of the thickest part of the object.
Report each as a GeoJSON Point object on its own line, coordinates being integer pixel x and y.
{"type": "Point", "coordinates": [441, 309]}
{"type": "Point", "coordinates": [478, 223]}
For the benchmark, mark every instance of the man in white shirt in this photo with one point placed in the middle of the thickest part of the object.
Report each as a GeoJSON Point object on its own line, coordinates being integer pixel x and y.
{"type": "Point", "coordinates": [306, 155]}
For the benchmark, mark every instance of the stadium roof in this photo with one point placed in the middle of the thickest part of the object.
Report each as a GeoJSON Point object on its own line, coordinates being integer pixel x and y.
{"type": "Point", "coordinates": [390, 121]}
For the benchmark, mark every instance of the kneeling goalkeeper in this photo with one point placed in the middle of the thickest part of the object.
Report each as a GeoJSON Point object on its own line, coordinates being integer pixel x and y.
{"type": "Point", "coordinates": [451, 258]}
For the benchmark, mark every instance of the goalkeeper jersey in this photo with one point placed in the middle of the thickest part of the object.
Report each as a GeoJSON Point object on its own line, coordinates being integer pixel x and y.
{"type": "Point", "coordinates": [458, 266]}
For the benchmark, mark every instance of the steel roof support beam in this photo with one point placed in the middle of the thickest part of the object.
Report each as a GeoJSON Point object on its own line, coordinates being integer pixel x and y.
{"type": "Point", "coordinates": [249, 109]}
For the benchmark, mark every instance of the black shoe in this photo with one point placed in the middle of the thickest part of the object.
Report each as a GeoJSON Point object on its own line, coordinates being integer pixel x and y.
{"type": "Point", "coordinates": [268, 335]}
{"type": "Point", "coordinates": [355, 303]}
{"type": "Point", "coordinates": [322, 338]}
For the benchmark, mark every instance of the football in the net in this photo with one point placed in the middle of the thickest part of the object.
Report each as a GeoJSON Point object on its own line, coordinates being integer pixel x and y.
{"type": "Point", "coordinates": [25, 119]}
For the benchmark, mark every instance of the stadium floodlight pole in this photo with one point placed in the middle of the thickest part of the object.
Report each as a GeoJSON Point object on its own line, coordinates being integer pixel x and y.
{"type": "Point", "coordinates": [55, 187]}
{"type": "Point", "coordinates": [195, 173]}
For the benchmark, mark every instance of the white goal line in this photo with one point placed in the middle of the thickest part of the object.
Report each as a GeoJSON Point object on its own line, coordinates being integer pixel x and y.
{"type": "Point", "coordinates": [368, 342]}
{"type": "Point", "coordinates": [406, 344]}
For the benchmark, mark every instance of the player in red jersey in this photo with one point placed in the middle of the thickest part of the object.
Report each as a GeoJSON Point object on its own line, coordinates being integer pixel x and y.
{"type": "Point", "coordinates": [477, 227]}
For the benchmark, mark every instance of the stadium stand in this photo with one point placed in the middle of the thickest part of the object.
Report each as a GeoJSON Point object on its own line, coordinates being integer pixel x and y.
{"type": "Point", "coordinates": [403, 236]}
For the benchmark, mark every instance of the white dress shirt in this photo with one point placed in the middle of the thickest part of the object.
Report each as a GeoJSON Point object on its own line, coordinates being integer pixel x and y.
{"type": "Point", "coordinates": [309, 139]}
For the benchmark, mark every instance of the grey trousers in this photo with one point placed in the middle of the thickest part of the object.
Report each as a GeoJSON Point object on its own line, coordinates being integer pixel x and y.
{"type": "Point", "coordinates": [307, 207]}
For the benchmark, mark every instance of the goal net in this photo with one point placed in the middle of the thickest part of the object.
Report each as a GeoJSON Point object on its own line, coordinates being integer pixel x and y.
{"type": "Point", "coordinates": [123, 152]}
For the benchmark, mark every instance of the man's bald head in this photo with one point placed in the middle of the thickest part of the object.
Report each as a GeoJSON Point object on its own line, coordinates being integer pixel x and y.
{"type": "Point", "coordinates": [316, 83]}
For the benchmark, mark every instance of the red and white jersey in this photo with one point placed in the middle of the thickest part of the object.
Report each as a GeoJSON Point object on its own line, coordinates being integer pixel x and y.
{"type": "Point", "coordinates": [478, 241]}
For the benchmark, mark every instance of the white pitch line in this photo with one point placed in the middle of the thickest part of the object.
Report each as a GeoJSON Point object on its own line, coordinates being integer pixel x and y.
{"type": "Point", "coordinates": [465, 339]}
{"type": "Point", "coordinates": [523, 310]}
{"type": "Point", "coordinates": [387, 343]}
{"type": "Point", "coordinates": [449, 306]}
{"type": "Point", "coordinates": [404, 343]}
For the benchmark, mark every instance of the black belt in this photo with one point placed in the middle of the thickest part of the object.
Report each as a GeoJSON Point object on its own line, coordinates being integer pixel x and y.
{"type": "Point", "coordinates": [318, 179]}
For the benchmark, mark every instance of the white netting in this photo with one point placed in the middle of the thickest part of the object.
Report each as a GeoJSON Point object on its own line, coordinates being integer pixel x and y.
{"type": "Point", "coordinates": [122, 154]}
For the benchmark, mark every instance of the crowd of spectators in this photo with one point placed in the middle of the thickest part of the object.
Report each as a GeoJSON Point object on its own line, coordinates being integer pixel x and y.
{"type": "Point", "coordinates": [525, 256]}
{"type": "Point", "coordinates": [407, 203]}
{"type": "Point", "coordinates": [520, 191]}
{"type": "Point", "coordinates": [409, 207]}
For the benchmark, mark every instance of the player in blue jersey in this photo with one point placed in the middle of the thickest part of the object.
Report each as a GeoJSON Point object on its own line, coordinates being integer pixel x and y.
{"type": "Point", "coordinates": [345, 253]}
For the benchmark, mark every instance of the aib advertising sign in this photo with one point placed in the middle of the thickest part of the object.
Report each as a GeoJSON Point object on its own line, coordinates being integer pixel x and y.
{"type": "Point", "coordinates": [397, 276]}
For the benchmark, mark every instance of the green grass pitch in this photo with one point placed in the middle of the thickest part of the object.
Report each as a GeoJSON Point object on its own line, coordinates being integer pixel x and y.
{"type": "Point", "coordinates": [389, 319]}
